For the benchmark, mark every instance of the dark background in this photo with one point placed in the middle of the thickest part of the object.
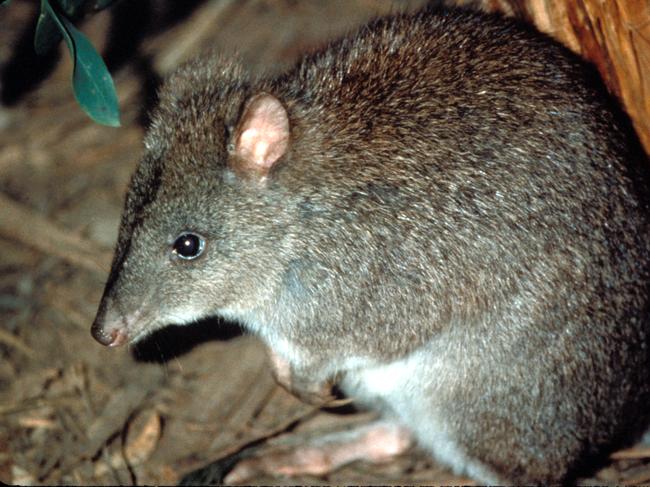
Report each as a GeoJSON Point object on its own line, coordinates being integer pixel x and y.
{"type": "Point", "coordinates": [73, 412]}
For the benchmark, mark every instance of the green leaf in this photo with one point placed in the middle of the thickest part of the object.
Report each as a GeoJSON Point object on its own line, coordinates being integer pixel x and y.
{"type": "Point", "coordinates": [47, 35]}
{"type": "Point", "coordinates": [5, 1]}
{"type": "Point", "coordinates": [71, 7]}
{"type": "Point", "coordinates": [92, 83]}
{"type": "Point", "coordinates": [102, 4]}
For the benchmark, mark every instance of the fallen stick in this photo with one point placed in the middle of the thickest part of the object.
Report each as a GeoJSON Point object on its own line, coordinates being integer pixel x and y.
{"type": "Point", "coordinates": [20, 223]}
{"type": "Point", "coordinates": [192, 32]}
{"type": "Point", "coordinates": [14, 342]}
{"type": "Point", "coordinates": [634, 453]}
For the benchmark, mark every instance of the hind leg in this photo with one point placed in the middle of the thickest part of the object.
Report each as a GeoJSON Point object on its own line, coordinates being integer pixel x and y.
{"type": "Point", "coordinates": [375, 442]}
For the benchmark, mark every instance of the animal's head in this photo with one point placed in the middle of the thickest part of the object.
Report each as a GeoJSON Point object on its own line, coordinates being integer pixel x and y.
{"type": "Point", "coordinates": [198, 235]}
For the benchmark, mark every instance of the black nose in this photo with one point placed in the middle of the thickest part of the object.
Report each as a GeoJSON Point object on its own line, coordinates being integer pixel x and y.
{"type": "Point", "coordinates": [99, 333]}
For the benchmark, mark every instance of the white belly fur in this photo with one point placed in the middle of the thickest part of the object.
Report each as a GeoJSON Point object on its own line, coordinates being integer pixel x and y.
{"type": "Point", "coordinates": [406, 393]}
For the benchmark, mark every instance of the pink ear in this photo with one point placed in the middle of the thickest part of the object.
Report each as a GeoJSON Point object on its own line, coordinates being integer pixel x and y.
{"type": "Point", "coordinates": [262, 135]}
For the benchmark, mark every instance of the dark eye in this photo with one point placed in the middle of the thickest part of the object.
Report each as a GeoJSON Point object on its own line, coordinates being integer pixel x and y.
{"type": "Point", "coordinates": [188, 246]}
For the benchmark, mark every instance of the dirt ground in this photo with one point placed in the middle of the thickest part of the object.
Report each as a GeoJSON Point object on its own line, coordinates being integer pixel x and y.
{"type": "Point", "coordinates": [72, 411]}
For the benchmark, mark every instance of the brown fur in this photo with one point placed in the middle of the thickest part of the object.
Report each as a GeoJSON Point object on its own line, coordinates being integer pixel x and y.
{"type": "Point", "coordinates": [456, 188]}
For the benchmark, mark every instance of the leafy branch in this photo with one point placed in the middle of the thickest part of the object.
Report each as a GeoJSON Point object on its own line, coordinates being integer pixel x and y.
{"type": "Point", "coordinates": [91, 82]}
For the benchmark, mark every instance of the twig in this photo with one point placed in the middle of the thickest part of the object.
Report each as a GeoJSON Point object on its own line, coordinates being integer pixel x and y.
{"type": "Point", "coordinates": [37, 403]}
{"type": "Point", "coordinates": [195, 30]}
{"type": "Point", "coordinates": [20, 223]}
{"type": "Point", "coordinates": [13, 341]}
{"type": "Point", "coordinates": [273, 432]}
{"type": "Point", "coordinates": [634, 453]}
{"type": "Point", "coordinates": [638, 479]}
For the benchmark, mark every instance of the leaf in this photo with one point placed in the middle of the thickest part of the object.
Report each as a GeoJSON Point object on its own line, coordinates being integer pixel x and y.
{"type": "Point", "coordinates": [47, 34]}
{"type": "Point", "coordinates": [71, 7]}
{"type": "Point", "coordinates": [92, 83]}
{"type": "Point", "coordinates": [102, 4]}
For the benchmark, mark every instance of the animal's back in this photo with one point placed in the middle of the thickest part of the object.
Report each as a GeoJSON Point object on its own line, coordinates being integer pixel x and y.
{"type": "Point", "coordinates": [500, 225]}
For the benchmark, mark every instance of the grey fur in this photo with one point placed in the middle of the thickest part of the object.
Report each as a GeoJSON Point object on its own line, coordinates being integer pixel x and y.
{"type": "Point", "coordinates": [461, 209]}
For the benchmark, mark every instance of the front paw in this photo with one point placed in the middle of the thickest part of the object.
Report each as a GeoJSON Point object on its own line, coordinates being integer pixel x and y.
{"type": "Point", "coordinates": [311, 392]}
{"type": "Point", "coordinates": [306, 389]}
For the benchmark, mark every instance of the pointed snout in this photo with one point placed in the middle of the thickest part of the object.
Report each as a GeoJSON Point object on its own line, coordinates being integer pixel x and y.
{"type": "Point", "coordinates": [110, 336]}
{"type": "Point", "coordinates": [108, 329]}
